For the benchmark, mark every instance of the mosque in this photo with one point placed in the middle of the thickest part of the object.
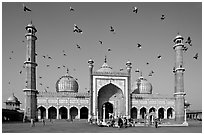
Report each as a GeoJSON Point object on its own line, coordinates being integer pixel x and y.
{"type": "Point", "coordinates": [110, 92]}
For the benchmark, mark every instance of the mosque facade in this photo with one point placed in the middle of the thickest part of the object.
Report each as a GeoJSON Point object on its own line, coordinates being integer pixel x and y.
{"type": "Point", "coordinates": [110, 93]}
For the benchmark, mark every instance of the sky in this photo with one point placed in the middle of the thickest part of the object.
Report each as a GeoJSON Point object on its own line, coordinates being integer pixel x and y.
{"type": "Point", "coordinates": [54, 23]}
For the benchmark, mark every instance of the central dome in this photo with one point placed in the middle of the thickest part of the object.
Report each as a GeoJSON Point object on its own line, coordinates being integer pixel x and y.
{"type": "Point", "coordinates": [105, 67]}
{"type": "Point", "coordinates": [12, 99]}
{"type": "Point", "coordinates": [142, 86]}
{"type": "Point", "coordinates": [67, 84]}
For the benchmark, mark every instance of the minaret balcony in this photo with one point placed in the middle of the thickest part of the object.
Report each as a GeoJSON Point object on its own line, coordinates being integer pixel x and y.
{"type": "Point", "coordinates": [30, 62]}
{"type": "Point", "coordinates": [176, 45]}
{"type": "Point", "coordinates": [180, 93]}
{"type": "Point", "coordinates": [180, 69]}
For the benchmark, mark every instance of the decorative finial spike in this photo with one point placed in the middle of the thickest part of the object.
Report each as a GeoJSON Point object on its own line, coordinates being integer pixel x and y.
{"type": "Point", "coordinates": [105, 59]}
{"type": "Point", "coordinates": [67, 71]}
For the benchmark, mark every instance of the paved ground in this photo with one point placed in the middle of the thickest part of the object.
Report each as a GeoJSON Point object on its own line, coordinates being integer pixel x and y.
{"type": "Point", "coordinates": [83, 127]}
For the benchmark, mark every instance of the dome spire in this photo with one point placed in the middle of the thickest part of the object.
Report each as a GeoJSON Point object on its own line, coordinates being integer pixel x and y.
{"type": "Point", "coordinates": [105, 60]}
{"type": "Point", "coordinates": [67, 72]}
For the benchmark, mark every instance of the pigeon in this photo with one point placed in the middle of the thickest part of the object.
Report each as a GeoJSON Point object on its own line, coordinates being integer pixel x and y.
{"type": "Point", "coordinates": [188, 41]}
{"type": "Point", "coordinates": [185, 48]}
{"type": "Point", "coordinates": [100, 42]}
{"type": "Point", "coordinates": [40, 84]}
{"type": "Point", "coordinates": [139, 45]}
{"type": "Point", "coordinates": [11, 51]}
{"type": "Point", "coordinates": [137, 70]}
{"type": "Point", "coordinates": [159, 56]}
{"type": "Point", "coordinates": [150, 74]}
{"type": "Point", "coordinates": [147, 63]}
{"type": "Point", "coordinates": [20, 72]}
{"type": "Point", "coordinates": [9, 82]}
{"type": "Point", "coordinates": [40, 77]}
{"type": "Point", "coordinates": [63, 66]}
{"type": "Point", "coordinates": [26, 9]}
{"type": "Point", "coordinates": [45, 90]}
{"type": "Point", "coordinates": [162, 17]}
{"type": "Point", "coordinates": [109, 49]}
{"type": "Point", "coordinates": [10, 58]}
{"type": "Point", "coordinates": [47, 65]}
{"type": "Point", "coordinates": [196, 56]}
{"type": "Point", "coordinates": [50, 57]}
{"type": "Point", "coordinates": [43, 56]}
{"type": "Point", "coordinates": [23, 41]}
{"type": "Point", "coordinates": [58, 67]}
{"type": "Point", "coordinates": [111, 29]}
{"type": "Point", "coordinates": [121, 69]}
{"type": "Point", "coordinates": [135, 9]}
{"type": "Point", "coordinates": [65, 54]}
{"type": "Point", "coordinates": [78, 46]}
{"type": "Point", "coordinates": [77, 29]}
{"type": "Point", "coordinates": [71, 9]}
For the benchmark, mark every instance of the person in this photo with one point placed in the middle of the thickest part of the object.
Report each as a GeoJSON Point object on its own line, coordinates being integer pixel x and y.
{"type": "Point", "coordinates": [32, 123]}
{"type": "Point", "coordinates": [43, 122]}
{"type": "Point", "coordinates": [120, 122]}
{"type": "Point", "coordinates": [125, 122]}
{"type": "Point", "coordinates": [156, 123]}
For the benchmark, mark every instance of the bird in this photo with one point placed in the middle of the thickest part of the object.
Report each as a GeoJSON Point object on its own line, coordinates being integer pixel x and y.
{"type": "Point", "coordinates": [23, 41]}
{"type": "Point", "coordinates": [109, 50]}
{"type": "Point", "coordinates": [11, 51]}
{"type": "Point", "coordinates": [45, 90]}
{"type": "Point", "coordinates": [26, 9]}
{"type": "Point", "coordinates": [41, 84]}
{"type": "Point", "coordinates": [20, 72]}
{"type": "Point", "coordinates": [135, 9]}
{"type": "Point", "coordinates": [189, 41]}
{"type": "Point", "coordinates": [50, 57]}
{"type": "Point", "coordinates": [185, 48]}
{"type": "Point", "coordinates": [137, 70]}
{"type": "Point", "coordinates": [121, 69]}
{"type": "Point", "coordinates": [47, 87]}
{"type": "Point", "coordinates": [163, 17]}
{"type": "Point", "coordinates": [58, 67]}
{"type": "Point", "coordinates": [47, 65]}
{"type": "Point", "coordinates": [71, 9]}
{"type": "Point", "coordinates": [196, 56]}
{"type": "Point", "coordinates": [77, 29]}
{"type": "Point", "coordinates": [111, 29]}
{"type": "Point", "coordinates": [100, 42]}
{"type": "Point", "coordinates": [9, 82]}
{"type": "Point", "coordinates": [147, 63]}
{"type": "Point", "coordinates": [139, 45]}
{"type": "Point", "coordinates": [65, 54]}
{"type": "Point", "coordinates": [40, 77]}
{"type": "Point", "coordinates": [159, 56]}
{"type": "Point", "coordinates": [63, 66]}
{"type": "Point", "coordinates": [44, 56]}
{"type": "Point", "coordinates": [10, 58]}
{"type": "Point", "coordinates": [36, 54]}
{"type": "Point", "coordinates": [150, 74]}
{"type": "Point", "coordinates": [78, 46]}
{"type": "Point", "coordinates": [152, 71]}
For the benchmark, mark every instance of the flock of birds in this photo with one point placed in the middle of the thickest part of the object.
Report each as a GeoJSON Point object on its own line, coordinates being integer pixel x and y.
{"type": "Point", "coordinates": [77, 29]}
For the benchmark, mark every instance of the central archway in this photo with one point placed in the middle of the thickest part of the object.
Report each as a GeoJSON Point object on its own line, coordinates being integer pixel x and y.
{"type": "Point", "coordinates": [113, 98]}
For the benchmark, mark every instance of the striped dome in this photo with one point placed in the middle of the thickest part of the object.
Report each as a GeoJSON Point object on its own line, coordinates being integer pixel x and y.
{"type": "Point", "coordinates": [142, 86]}
{"type": "Point", "coordinates": [67, 84]}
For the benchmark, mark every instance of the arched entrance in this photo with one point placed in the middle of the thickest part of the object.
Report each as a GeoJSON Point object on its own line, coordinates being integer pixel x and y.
{"type": "Point", "coordinates": [41, 112]}
{"type": "Point", "coordinates": [108, 108]}
{"type": "Point", "coordinates": [142, 112]}
{"type": "Point", "coordinates": [52, 113]}
{"type": "Point", "coordinates": [63, 113]}
{"type": "Point", "coordinates": [73, 112]}
{"type": "Point", "coordinates": [161, 113]}
{"type": "Point", "coordinates": [134, 113]}
{"type": "Point", "coordinates": [170, 113]}
{"type": "Point", "coordinates": [113, 98]}
{"type": "Point", "coordinates": [84, 113]}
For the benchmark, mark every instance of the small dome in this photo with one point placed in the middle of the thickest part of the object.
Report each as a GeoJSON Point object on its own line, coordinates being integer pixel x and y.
{"type": "Point", "coordinates": [178, 37]}
{"type": "Point", "coordinates": [30, 25]}
{"type": "Point", "coordinates": [67, 84]}
{"type": "Point", "coordinates": [142, 86]}
{"type": "Point", "coordinates": [12, 99]}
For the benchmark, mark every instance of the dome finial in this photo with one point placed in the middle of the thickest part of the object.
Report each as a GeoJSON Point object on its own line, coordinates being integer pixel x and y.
{"type": "Point", "coordinates": [67, 72]}
{"type": "Point", "coordinates": [105, 59]}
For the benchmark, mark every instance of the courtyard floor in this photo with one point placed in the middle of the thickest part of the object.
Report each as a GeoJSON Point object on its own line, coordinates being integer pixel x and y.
{"type": "Point", "coordinates": [84, 127]}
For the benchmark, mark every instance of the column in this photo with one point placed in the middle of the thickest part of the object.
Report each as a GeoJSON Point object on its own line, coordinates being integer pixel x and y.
{"type": "Point", "coordinates": [46, 113]}
{"type": "Point", "coordinates": [57, 112]}
{"type": "Point", "coordinates": [104, 113]}
{"type": "Point", "coordinates": [68, 115]}
{"type": "Point", "coordinates": [79, 113]}
{"type": "Point", "coordinates": [165, 114]}
{"type": "Point", "coordinates": [138, 113]}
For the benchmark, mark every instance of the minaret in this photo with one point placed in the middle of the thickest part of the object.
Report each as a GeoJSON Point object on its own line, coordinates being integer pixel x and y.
{"type": "Point", "coordinates": [179, 79]}
{"type": "Point", "coordinates": [129, 66]}
{"type": "Point", "coordinates": [91, 62]}
{"type": "Point", "coordinates": [30, 66]}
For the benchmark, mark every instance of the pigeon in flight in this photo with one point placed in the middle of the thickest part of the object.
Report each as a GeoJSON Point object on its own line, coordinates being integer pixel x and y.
{"type": "Point", "coordinates": [41, 84]}
{"type": "Point", "coordinates": [50, 57]}
{"type": "Point", "coordinates": [43, 56]}
{"type": "Point", "coordinates": [135, 9]}
{"type": "Point", "coordinates": [20, 72]}
{"type": "Point", "coordinates": [26, 9]}
{"type": "Point", "coordinates": [40, 77]}
{"type": "Point", "coordinates": [147, 63]}
{"type": "Point", "coordinates": [109, 50]}
{"type": "Point", "coordinates": [111, 29]}
{"type": "Point", "coordinates": [162, 17]}
{"type": "Point", "coordinates": [65, 54]}
{"type": "Point", "coordinates": [71, 9]}
{"type": "Point", "coordinates": [159, 56]}
{"type": "Point", "coordinates": [100, 42]}
{"type": "Point", "coordinates": [47, 65]}
{"type": "Point", "coordinates": [77, 29]}
{"type": "Point", "coordinates": [78, 46]}
{"type": "Point", "coordinates": [58, 67]}
{"type": "Point", "coordinates": [139, 45]}
{"type": "Point", "coordinates": [137, 70]}
{"type": "Point", "coordinates": [188, 41]}
{"type": "Point", "coordinates": [150, 74]}
{"type": "Point", "coordinates": [121, 69]}
{"type": "Point", "coordinates": [196, 56]}
{"type": "Point", "coordinates": [185, 48]}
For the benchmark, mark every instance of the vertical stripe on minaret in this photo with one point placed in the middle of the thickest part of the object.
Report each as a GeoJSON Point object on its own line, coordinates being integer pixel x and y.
{"type": "Point", "coordinates": [128, 66]}
{"type": "Point", "coordinates": [179, 80]}
{"type": "Point", "coordinates": [30, 65]}
{"type": "Point", "coordinates": [91, 62]}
